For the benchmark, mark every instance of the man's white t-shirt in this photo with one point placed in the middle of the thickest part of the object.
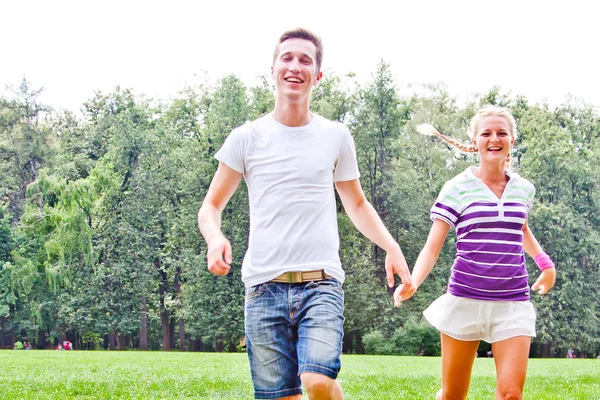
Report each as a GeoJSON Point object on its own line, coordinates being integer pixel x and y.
{"type": "Point", "coordinates": [290, 172]}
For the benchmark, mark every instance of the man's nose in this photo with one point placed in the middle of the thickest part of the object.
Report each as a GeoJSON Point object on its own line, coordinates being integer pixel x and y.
{"type": "Point", "coordinates": [294, 65]}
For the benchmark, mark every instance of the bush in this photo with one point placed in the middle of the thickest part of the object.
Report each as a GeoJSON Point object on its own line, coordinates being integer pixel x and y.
{"type": "Point", "coordinates": [417, 338]}
{"type": "Point", "coordinates": [414, 338]}
{"type": "Point", "coordinates": [376, 343]}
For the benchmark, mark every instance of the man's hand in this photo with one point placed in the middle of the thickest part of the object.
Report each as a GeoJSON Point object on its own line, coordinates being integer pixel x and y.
{"type": "Point", "coordinates": [545, 282]}
{"type": "Point", "coordinates": [396, 264]}
{"type": "Point", "coordinates": [218, 255]}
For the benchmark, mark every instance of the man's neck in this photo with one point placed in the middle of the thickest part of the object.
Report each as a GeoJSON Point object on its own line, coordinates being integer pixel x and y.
{"type": "Point", "coordinates": [292, 114]}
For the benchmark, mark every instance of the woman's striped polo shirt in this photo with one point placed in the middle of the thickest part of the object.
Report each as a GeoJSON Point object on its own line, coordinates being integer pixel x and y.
{"type": "Point", "coordinates": [490, 263]}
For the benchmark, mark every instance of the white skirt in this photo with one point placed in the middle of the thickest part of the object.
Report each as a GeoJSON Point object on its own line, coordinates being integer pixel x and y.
{"type": "Point", "coordinates": [492, 321]}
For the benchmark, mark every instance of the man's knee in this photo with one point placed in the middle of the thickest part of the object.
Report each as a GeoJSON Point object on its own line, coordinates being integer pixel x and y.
{"type": "Point", "coordinates": [317, 383]}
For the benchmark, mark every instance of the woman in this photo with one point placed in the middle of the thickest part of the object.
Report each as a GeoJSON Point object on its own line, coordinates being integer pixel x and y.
{"type": "Point", "coordinates": [488, 292]}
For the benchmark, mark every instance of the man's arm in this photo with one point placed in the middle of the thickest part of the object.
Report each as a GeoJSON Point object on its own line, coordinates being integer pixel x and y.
{"type": "Point", "coordinates": [367, 221]}
{"type": "Point", "coordinates": [222, 187]}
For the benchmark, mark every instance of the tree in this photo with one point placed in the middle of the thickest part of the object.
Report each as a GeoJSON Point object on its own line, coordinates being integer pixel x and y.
{"type": "Point", "coordinates": [563, 144]}
{"type": "Point", "coordinates": [26, 144]}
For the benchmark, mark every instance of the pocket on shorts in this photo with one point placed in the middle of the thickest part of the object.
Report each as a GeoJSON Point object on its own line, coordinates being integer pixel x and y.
{"type": "Point", "coordinates": [330, 285]}
{"type": "Point", "coordinates": [524, 308]}
{"type": "Point", "coordinates": [255, 293]}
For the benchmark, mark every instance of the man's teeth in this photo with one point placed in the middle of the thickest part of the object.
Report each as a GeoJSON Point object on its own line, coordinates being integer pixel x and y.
{"type": "Point", "coordinates": [293, 80]}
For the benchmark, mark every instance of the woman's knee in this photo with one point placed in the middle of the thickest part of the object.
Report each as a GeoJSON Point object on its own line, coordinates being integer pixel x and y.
{"type": "Point", "coordinates": [510, 394]}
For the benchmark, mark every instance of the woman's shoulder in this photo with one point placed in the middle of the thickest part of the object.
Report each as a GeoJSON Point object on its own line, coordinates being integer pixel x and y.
{"type": "Point", "coordinates": [521, 182]}
{"type": "Point", "coordinates": [460, 181]}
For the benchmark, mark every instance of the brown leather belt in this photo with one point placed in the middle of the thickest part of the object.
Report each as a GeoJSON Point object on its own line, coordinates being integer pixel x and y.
{"type": "Point", "coordinates": [301, 276]}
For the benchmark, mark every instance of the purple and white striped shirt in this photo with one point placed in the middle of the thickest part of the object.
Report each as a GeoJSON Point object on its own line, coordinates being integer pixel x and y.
{"type": "Point", "coordinates": [490, 263]}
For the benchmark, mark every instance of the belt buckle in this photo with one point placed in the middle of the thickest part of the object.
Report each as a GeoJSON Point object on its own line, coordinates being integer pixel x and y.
{"type": "Point", "coordinates": [294, 277]}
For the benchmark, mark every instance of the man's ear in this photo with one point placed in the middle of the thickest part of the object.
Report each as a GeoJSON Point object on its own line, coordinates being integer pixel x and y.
{"type": "Point", "coordinates": [318, 78]}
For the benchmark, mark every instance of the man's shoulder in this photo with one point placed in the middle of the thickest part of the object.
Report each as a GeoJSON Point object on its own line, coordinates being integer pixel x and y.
{"type": "Point", "coordinates": [263, 121]}
{"type": "Point", "coordinates": [245, 130]}
{"type": "Point", "coordinates": [330, 125]}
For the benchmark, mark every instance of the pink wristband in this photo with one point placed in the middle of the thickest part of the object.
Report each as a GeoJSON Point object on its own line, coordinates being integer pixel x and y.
{"type": "Point", "coordinates": [543, 261]}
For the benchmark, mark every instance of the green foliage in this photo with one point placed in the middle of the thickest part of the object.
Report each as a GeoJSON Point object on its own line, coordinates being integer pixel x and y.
{"type": "Point", "coordinates": [376, 343]}
{"type": "Point", "coordinates": [26, 143]}
{"type": "Point", "coordinates": [6, 245]}
{"type": "Point", "coordinates": [98, 213]}
{"type": "Point", "coordinates": [413, 338]}
{"type": "Point", "coordinates": [417, 338]}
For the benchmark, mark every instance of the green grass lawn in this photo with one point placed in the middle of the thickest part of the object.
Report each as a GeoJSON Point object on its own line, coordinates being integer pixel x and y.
{"type": "Point", "coordinates": [156, 375]}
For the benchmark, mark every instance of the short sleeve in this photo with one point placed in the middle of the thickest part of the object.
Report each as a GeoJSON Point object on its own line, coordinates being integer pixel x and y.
{"type": "Point", "coordinates": [447, 206]}
{"type": "Point", "coordinates": [530, 195]}
{"type": "Point", "coordinates": [233, 151]}
{"type": "Point", "coordinates": [346, 168]}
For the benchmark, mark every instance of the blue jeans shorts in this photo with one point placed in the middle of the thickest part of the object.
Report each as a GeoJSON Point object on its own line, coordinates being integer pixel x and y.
{"type": "Point", "coordinates": [292, 328]}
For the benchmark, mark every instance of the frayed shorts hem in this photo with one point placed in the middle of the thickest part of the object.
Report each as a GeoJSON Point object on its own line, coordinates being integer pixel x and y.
{"type": "Point", "coordinates": [317, 369]}
{"type": "Point", "coordinates": [277, 394]}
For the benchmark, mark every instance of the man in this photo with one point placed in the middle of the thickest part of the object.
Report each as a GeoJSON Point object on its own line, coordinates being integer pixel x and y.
{"type": "Point", "coordinates": [290, 160]}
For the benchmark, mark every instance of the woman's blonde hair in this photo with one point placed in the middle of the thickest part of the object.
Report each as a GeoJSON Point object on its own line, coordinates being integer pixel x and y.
{"type": "Point", "coordinates": [487, 111]}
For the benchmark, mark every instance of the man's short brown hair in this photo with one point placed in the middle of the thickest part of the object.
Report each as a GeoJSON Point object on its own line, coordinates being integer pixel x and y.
{"type": "Point", "coordinates": [301, 33]}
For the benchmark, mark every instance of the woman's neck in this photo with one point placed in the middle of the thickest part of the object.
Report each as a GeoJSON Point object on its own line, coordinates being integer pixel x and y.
{"type": "Point", "coordinates": [491, 173]}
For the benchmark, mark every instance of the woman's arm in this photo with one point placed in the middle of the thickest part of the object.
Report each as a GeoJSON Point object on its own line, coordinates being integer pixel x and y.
{"type": "Point", "coordinates": [425, 261]}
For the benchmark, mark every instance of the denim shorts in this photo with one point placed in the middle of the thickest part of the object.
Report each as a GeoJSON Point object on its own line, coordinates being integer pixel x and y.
{"type": "Point", "coordinates": [292, 328]}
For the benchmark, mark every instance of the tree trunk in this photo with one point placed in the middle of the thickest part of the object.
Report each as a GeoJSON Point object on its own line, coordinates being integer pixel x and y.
{"type": "Point", "coordinates": [172, 331]}
{"type": "Point", "coordinates": [347, 342]}
{"type": "Point", "coordinates": [75, 341]}
{"type": "Point", "coordinates": [181, 334]}
{"type": "Point", "coordinates": [112, 340]}
{"type": "Point", "coordinates": [546, 350]}
{"type": "Point", "coordinates": [2, 333]}
{"type": "Point", "coordinates": [41, 339]}
{"type": "Point", "coordinates": [165, 314]}
{"type": "Point", "coordinates": [166, 328]}
{"type": "Point", "coordinates": [197, 344]}
{"type": "Point", "coordinates": [180, 309]}
{"type": "Point", "coordinates": [360, 347]}
{"type": "Point", "coordinates": [144, 325]}
{"type": "Point", "coordinates": [121, 342]}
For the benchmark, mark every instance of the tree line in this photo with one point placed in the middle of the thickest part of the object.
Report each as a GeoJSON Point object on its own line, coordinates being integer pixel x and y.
{"type": "Point", "coordinates": [99, 243]}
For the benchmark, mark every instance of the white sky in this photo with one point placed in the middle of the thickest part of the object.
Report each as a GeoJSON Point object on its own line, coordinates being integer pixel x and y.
{"type": "Point", "coordinates": [542, 49]}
